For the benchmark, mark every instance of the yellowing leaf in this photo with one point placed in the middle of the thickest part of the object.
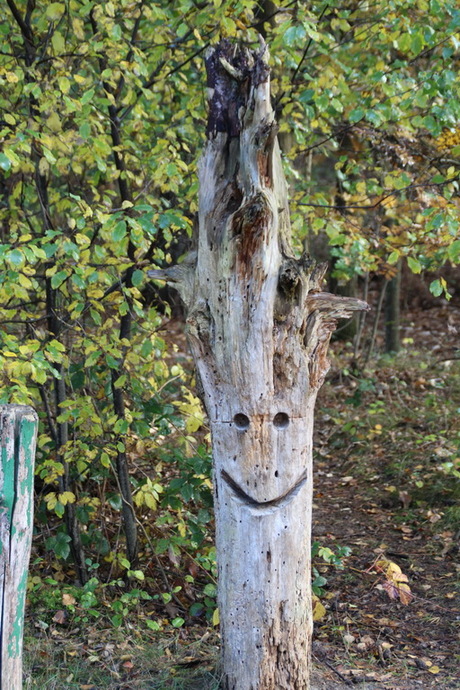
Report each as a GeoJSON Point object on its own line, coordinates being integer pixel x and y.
{"type": "Point", "coordinates": [51, 500]}
{"type": "Point", "coordinates": [58, 42]}
{"type": "Point", "coordinates": [392, 570]}
{"type": "Point", "coordinates": [319, 610]}
{"type": "Point", "coordinates": [55, 10]}
{"type": "Point", "coordinates": [193, 410]}
{"type": "Point", "coordinates": [434, 669]}
{"type": "Point", "coordinates": [405, 595]}
{"type": "Point", "coordinates": [150, 501]}
{"type": "Point", "coordinates": [105, 460]}
{"type": "Point", "coordinates": [54, 123]}
{"type": "Point", "coordinates": [139, 498]}
{"type": "Point", "coordinates": [215, 617]}
{"type": "Point", "coordinates": [43, 167]}
{"type": "Point", "coordinates": [67, 497]}
{"type": "Point", "coordinates": [24, 281]}
{"type": "Point", "coordinates": [64, 84]}
{"type": "Point", "coordinates": [9, 119]}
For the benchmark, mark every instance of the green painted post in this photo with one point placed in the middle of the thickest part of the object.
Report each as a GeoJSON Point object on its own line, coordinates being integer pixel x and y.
{"type": "Point", "coordinates": [18, 432]}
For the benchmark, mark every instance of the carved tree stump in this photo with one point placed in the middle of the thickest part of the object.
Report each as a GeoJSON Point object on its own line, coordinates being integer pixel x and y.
{"type": "Point", "coordinates": [18, 431]}
{"type": "Point", "coordinates": [259, 329]}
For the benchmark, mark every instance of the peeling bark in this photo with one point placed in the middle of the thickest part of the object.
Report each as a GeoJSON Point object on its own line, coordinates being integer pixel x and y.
{"type": "Point", "coordinates": [259, 329]}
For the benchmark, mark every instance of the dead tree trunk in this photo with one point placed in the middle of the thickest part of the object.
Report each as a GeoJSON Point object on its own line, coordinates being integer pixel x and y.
{"type": "Point", "coordinates": [259, 329]}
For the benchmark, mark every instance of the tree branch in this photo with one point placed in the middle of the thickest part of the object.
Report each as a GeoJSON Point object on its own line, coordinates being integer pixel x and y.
{"type": "Point", "coordinates": [25, 29]}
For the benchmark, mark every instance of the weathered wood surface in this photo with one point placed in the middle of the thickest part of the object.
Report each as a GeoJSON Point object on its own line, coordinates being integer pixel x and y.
{"type": "Point", "coordinates": [18, 430]}
{"type": "Point", "coordinates": [259, 329]}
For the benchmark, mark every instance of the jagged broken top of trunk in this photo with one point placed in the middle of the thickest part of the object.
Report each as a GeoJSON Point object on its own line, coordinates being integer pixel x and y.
{"type": "Point", "coordinates": [258, 322]}
{"type": "Point", "coordinates": [232, 72]}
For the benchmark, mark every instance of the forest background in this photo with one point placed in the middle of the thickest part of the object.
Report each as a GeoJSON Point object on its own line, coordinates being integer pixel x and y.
{"type": "Point", "coordinates": [102, 123]}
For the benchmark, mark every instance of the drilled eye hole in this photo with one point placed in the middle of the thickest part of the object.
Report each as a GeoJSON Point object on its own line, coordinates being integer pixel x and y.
{"type": "Point", "coordinates": [241, 421]}
{"type": "Point", "coordinates": [281, 420]}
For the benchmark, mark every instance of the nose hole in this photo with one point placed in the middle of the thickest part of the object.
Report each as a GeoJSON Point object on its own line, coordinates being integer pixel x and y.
{"type": "Point", "coordinates": [281, 420]}
{"type": "Point", "coordinates": [241, 421]}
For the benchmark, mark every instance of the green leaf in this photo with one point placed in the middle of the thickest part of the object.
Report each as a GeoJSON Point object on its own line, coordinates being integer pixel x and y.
{"type": "Point", "coordinates": [60, 544]}
{"type": "Point", "coordinates": [137, 278]}
{"type": "Point", "coordinates": [210, 590]}
{"type": "Point", "coordinates": [177, 622]}
{"type": "Point", "coordinates": [85, 130]}
{"type": "Point", "coordinates": [58, 279]}
{"type": "Point", "coordinates": [16, 258]}
{"type": "Point", "coordinates": [87, 96]}
{"type": "Point", "coordinates": [294, 35]}
{"type": "Point", "coordinates": [5, 163]}
{"type": "Point", "coordinates": [436, 288]}
{"type": "Point", "coordinates": [454, 252]}
{"type": "Point", "coordinates": [119, 231]}
{"type": "Point", "coordinates": [414, 265]}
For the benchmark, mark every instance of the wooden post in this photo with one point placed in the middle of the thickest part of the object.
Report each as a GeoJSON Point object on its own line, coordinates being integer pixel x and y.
{"type": "Point", "coordinates": [18, 431]}
{"type": "Point", "coordinates": [259, 327]}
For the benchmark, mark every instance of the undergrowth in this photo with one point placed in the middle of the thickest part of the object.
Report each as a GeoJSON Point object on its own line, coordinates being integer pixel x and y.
{"type": "Point", "coordinates": [153, 624]}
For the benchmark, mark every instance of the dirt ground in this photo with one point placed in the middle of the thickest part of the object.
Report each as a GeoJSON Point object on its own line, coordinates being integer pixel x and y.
{"type": "Point", "coordinates": [367, 639]}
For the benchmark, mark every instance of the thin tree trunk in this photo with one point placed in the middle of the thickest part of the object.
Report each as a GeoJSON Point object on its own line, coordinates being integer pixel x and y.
{"type": "Point", "coordinates": [349, 329]}
{"type": "Point", "coordinates": [392, 313]}
{"type": "Point", "coordinates": [375, 326]}
{"type": "Point", "coordinates": [121, 463]}
{"type": "Point", "coordinates": [361, 319]}
{"type": "Point", "coordinates": [259, 329]}
{"type": "Point", "coordinates": [61, 431]}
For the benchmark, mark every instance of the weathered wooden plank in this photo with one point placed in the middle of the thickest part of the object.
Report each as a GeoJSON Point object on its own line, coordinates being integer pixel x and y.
{"type": "Point", "coordinates": [18, 431]}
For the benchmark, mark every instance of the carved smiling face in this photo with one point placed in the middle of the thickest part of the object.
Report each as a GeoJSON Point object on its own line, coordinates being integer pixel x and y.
{"type": "Point", "coordinates": [263, 457]}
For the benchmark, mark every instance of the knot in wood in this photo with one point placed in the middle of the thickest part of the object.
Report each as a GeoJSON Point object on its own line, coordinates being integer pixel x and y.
{"type": "Point", "coordinates": [252, 216]}
{"type": "Point", "coordinates": [289, 277]}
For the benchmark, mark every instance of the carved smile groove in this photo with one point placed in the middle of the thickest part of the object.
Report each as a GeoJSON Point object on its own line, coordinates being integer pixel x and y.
{"type": "Point", "coordinates": [274, 502]}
